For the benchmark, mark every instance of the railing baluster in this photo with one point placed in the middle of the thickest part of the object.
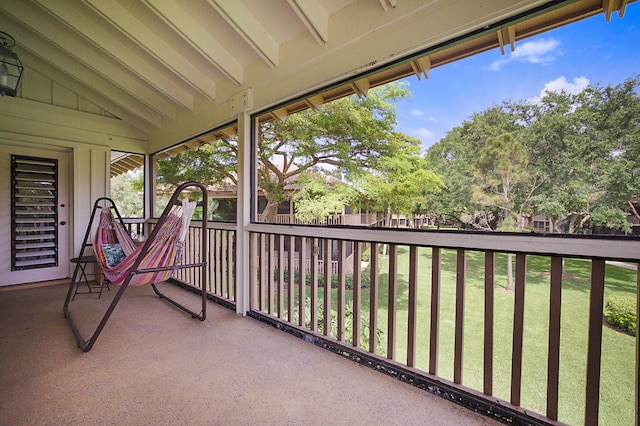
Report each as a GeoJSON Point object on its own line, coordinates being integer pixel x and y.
{"type": "Point", "coordinates": [191, 250]}
{"type": "Point", "coordinates": [263, 269]}
{"type": "Point", "coordinates": [193, 256]}
{"type": "Point", "coordinates": [224, 243]}
{"type": "Point", "coordinates": [254, 265]}
{"type": "Point", "coordinates": [413, 306]}
{"type": "Point", "coordinates": [219, 251]}
{"type": "Point", "coordinates": [302, 281]}
{"type": "Point", "coordinates": [392, 305]}
{"type": "Point", "coordinates": [357, 284]}
{"type": "Point", "coordinates": [314, 284]}
{"type": "Point", "coordinates": [212, 261]}
{"type": "Point", "coordinates": [272, 273]}
{"type": "Point", "coordinates": [518, 329]}
{"type": "Point", "coordinates": [458, 348]}
{"type": "Point", "coordinates": [196, 273]}
{"type": "Point", "coordinates": [230, 262]}
{"type": "Point", "coordinates": [201, 258]}
{"type": "Point", "coordinates": [489, 274]}
{"type": "Point", "coordinates": [341, 289]}
{"type": "Point", "coordinates": [291, 279]}
{"type": "Point", "coordinates": [554, 337]}
{"type": "Point", "coordinates": [373, 299]}
{"type": "Point", "coordinates": [327, 287]}
{"type": "Point", "coordinates": [281, 276]}
{"type": "Point", "coordinates": [435, 311]}
{"type": "Point", "coordinates": [219, 254]}
{"type": "Point", "coordinates": [594, 349]}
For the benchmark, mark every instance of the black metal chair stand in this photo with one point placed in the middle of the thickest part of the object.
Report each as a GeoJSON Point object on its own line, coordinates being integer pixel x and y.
{"type": "Point", "coordinates": [82, 263]}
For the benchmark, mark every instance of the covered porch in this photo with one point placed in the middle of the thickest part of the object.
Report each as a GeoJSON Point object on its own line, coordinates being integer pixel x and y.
{"type": "Point", "coordinates": [157, 366]}
{"type": "Point", "coordinates": [148, 80]}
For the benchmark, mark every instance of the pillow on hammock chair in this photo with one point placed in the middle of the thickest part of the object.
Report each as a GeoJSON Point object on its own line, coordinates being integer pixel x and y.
{"type": "Point", "coordinates": [113, 254]}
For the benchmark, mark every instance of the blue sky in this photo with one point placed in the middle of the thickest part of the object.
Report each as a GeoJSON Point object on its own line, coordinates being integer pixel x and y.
{"type": "Point", "coordinates": [591, 51]}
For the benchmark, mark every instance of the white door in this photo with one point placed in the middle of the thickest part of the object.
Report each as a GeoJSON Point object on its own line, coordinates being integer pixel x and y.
{"type": "Point", "coordinates": [34, 224]}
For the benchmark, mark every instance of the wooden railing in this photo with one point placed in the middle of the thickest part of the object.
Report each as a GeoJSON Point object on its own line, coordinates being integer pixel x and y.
{"type": "Point", "coordinates": [221, 260]}
{"type": "Point", "coordinates": [431, 308]}
{"type": "Point", "coordinates": [135, 227]}
{"type": "Point", "coordinates": [291, 219]}
{"type": "Point", "coordinates": [463, 341]}
{"type": "Point", "coordinates": [351, 219]}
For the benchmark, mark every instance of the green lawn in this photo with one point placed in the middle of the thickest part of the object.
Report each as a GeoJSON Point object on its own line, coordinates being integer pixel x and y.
{"type": "Point", "coordinates": [618, 353]}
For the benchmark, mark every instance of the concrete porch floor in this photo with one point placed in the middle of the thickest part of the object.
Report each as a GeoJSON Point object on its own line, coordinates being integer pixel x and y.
{"type": "Point", "coordinates": [155, 365]}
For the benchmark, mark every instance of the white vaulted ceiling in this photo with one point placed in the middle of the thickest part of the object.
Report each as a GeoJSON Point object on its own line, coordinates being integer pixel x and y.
{"type": "Point", "coordinates": [167, 69]}
{"type": "Point", "coordinates": [145, 60]}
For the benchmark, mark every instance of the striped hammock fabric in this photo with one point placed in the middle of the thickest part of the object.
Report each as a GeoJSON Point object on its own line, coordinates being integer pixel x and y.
{"type": "Point", "coordinates": [165, 250]}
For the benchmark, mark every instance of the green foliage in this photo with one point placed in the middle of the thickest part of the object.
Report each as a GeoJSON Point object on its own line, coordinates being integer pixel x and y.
{"type": "Point", "coordinates": [345, 138]}
{"type": "Point", "coordinates": [366, 254]}
{"type": "Point", "coordinates": [126, 192]}
{"type": "Point", "coordinates": [402, 182]}
{"type": "Point", "coordinates": [348, 326]}
{"type": "Point", "coordinates": [574, 158]}
{"type": "Point", "coordinates": [620, 311]}
{"type": "Point", "coordinates": [319, 197]}
{"type": "Point", "coordinates": [211, 164]}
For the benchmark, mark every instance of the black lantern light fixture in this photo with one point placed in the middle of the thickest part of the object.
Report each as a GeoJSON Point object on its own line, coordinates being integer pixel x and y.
{"type": "Point", "coordinates": [10, 66]}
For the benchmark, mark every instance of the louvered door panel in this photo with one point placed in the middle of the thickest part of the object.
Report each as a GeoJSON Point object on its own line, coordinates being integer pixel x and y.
{"type": "Point", "coordinates": [34, 214]}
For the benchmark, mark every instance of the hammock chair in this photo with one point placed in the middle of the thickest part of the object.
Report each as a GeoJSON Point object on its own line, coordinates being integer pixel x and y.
{"type": "Point", "coordinates": [124, 264]}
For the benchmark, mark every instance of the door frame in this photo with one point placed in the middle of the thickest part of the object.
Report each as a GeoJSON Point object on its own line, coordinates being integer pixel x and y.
{"type": "Point", "coordinates": [65, 196]}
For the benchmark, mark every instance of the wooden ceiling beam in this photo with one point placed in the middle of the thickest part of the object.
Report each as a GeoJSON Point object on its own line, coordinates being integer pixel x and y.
{"type": "Point", "coordinates": [154, 44]}
{"type": "Point", "coordinates": [361, 87]}
{"type": "Point", "coordinates": [386, 4]}
{"type": "Point", "coordinates": [198, 38]}
{"type": "Point", "coordinates": [421, 66]}
{"type": "Point", "coordinates": [313, 17]}
{"type": "Point", "coordinates": [92, 28]}
{"type": "Point", "coordinates": [315, 102]}
{"type": "Point", "coordinates": [249, 28]}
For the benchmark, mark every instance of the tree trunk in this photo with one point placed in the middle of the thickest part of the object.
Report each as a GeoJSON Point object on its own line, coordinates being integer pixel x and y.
{"type": "Point", "coordinates": [633, 210]}
{"type": "Point", "coordinates": [572, 223]}
{"type": "Point", "coordinates": [384, 247]}
{"type": "Point", "coordinates": [270, 212]}
{"type": "Point", "coordinates": [510, 286]}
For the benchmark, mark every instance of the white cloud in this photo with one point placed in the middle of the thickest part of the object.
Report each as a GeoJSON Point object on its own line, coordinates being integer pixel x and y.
{"type": "Point", "coordinates": [560, 84]}
{"type": "Point", "coordinates": [422, 133]}
{"type": "Point", "coordinates": [417, 113]}
{"type": "Point", "coordinates": [542, 51]}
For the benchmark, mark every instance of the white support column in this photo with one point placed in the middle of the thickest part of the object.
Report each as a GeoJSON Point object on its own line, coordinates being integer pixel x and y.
{"type": "Point", "coordinates": [243, 218]}
{"type": "Point", "coordinates": [149, 186]}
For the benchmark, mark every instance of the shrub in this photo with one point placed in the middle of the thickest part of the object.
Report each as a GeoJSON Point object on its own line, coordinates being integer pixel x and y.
{"type": "Point", "coordinates": [366, 255]}
{"type": "Point", "coordinates": [620, 311]}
